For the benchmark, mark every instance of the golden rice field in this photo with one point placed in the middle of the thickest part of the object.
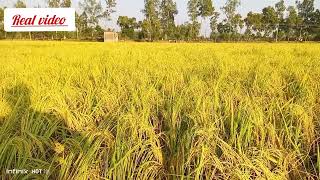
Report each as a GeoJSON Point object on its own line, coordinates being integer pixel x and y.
{"type": "Point", "coordinates": [159, 111]}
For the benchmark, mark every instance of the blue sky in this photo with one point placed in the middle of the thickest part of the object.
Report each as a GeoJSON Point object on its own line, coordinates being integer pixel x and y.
{"type": "Point", "coordinates": [133, 8]}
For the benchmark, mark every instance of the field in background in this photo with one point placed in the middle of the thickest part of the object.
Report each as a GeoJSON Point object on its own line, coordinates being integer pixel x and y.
{"type": "Point", "coordinates": [160, 111]}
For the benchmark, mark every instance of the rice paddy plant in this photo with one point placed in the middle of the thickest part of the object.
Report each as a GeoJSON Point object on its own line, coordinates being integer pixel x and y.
{"type": "Point", "coordinates": [159, 111]}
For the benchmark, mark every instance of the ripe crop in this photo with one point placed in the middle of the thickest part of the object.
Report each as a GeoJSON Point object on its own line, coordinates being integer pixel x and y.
{"type": "Point", "coordinates": [160, 111]}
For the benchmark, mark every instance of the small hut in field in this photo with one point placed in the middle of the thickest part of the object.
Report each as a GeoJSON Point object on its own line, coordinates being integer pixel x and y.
{"type": "Point", "coordinates": [111, 36]}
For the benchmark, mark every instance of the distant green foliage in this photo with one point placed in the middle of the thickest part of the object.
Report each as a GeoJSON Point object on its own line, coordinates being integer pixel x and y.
{"type": "Point", "coordinates": [168, 11]}
{"type": "Point", "coordinates": [128, 27]}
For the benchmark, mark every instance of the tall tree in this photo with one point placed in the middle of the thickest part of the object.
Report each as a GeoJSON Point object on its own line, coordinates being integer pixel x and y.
{"type": "Point", "coordinates": [181, 32]}
{"type": "Point", "coordinates": [96, 11]}
{"type": "Point", "coordinates": [292, 22]}
{"type": "Point", "coordinates": [205, 8]}
{"type": "Point", "coordinates": [305, 11]}
{"type": "Point", "coordinates": [230, 10]}
{"type": "Point", "coordinates": [151, 25]}
{"type": "Point", "coordinates": [82, 25]}
{"type": "Point", "coordinates": [168, 11]}
{"type": "Point", "coordinates": [280, 9]}
{"type": "Point", "coordinates": [193, 12]}
{"type": "Point", "coordinates": [214, 26]}
{"type": "Point", "coordinates": [198, 8]}
{"type": "Point", "coordinates": [110, 7]}
{"type": "Point", "coordinates": [254, 24]}
{"type": "Point", "coordinates": [270, 20]}
{"type": "Point", "coordinates": [224, 30]}
{"type": "Point", "coordinates": [237, 25]}
{"type": "Point", "coordinates": [128, 26]}
{"type": "Point", "coordinates": [315, 28]}
{"type": "Point", "coordinates": [232, 17]}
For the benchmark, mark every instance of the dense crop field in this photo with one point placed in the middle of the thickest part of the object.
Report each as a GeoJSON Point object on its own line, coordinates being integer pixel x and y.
{"type": "Point", "coordinates": [160, 111]}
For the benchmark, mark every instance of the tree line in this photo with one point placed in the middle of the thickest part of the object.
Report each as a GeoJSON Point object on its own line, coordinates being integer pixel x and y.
{"type": "Point", "coordinates": [277, 22]}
